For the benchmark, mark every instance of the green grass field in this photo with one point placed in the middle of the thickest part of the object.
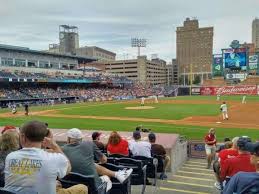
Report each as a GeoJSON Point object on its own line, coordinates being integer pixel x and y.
{"type": "Point", "coordinates": [161, 111]}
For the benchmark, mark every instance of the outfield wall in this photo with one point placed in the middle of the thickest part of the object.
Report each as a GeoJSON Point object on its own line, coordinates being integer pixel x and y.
{"type": "Point", "coordinates": [226, 90]}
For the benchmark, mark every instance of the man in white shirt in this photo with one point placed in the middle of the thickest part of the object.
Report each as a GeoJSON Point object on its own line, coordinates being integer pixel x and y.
{"type": "Point", "coordinates": [32, 169]}
{"type": "Point", "coordinates": [224, 110]}
{"type": "Point", "coordinates": [138, 147]}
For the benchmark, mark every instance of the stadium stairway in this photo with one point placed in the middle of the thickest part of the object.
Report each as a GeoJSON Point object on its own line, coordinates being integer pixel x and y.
{"type": "Point", "coordinates": [192, 178]}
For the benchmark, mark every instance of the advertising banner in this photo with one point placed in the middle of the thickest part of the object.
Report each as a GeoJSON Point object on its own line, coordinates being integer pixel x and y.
{"type": "Point", "coordinates": [196, 91]}
{"type": "Point", "coordinates": [253, 62]}
{"type": "Point", "coordinates": [217, 66]}
{"type": "Point", "coordinates": [241, 76]}
{"type": "Point", "coordinates": [230, 90]}
{"type": "Point", "coordinates": [235, 58]}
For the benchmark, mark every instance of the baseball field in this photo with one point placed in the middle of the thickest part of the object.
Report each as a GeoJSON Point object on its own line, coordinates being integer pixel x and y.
{"type": "Point", "coordinates": [190, 116]}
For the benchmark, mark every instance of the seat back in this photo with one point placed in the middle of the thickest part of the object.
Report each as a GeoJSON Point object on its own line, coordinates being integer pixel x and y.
{"type": "Point", "coordinates": [160, 163]}
{"type": "Point", "coordinates": [117, 156]}
{"type": "Point", "coordinates": [137, 177]}
{"type": "Point", "coordinates": [5, 191]}
{"type": "Point", "coordinates": [1, 176]}
{"type": "Point", "coordinates": [76, 178]}
{"type": "Point", "coordinates": [117, 187]}
{"type": "Point", "coordinates": [151, 165]}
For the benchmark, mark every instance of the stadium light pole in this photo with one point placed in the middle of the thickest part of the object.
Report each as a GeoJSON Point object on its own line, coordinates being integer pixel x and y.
{"type": "Point", "coordinates": [138, 42]}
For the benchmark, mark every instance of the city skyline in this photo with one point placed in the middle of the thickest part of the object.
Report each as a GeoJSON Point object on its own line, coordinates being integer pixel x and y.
{"type": "Point", "coordinates": [111, 26]}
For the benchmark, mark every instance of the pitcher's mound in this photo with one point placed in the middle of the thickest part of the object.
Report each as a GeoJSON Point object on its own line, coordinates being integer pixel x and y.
{"type": "Point", "coordinates": [139, 107]}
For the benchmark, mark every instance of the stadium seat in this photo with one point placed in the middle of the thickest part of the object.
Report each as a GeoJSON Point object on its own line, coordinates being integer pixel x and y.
{"type": "Point", "coordinates": [139, 174]}
{"type": "Point", "coordinates": [76, 178]}
{"type": "Point", "coordinates": [117, 187]}
{"type": "Point", "coordinates": [5, 191]}
{"type": "Point", "coordinates": [151, 164]}
{"type": "Point", "coordinates": [1, 177]}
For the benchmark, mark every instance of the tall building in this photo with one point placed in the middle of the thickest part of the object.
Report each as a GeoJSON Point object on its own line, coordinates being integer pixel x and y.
{"type": "Point", "coordinates": [255, 32]}
{"type": "Point", "coordinates": [140, 70]}
{"type": "Point", "coordinates": [194, 46]}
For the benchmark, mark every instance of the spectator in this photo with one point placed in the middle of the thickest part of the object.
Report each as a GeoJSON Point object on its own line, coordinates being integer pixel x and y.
{"type": "Point", "coordinates": [81, 154]}
{"type": "Point", "coordinates": [138, 147]}
{"type": "Point", "coordinates": [117, 145]}
{"type": "Point", "coordinates": [159, 150]}
{"type": "Point", "coordinates": [227, 144]}
{"type": "Point", "coordinates": [223, 155]}
{"type": "Point", "coordinates": [96, 139]}
{"type": "Point", "coordinates": [8, 128]}
{"type": "Point", "coordinates": [246, 182]}
{"type": "Point", "coordinates": [210, 146]}
{"type": "Point", "coordinates": [231, 166]}
{"type": "Point", "coordinates": [33, 170]}
{"type": "Point", "coordinates": [9, 142]}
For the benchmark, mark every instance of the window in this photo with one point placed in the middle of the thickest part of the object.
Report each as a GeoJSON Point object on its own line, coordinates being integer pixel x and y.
{"type": "Point", "coordinates": [20, 62]}
{"type": "Point", "coordinates": [7, 61]}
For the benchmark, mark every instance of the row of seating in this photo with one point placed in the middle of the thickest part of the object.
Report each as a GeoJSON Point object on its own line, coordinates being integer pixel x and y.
{"type": "Point", "coordinates": [143, 168]}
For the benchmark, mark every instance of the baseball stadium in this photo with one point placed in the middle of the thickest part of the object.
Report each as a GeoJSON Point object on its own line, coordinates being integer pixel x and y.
{"type": "Point", "coordinates": [77, 120]}
{"type": "Point", "coordinates": [179, 115]}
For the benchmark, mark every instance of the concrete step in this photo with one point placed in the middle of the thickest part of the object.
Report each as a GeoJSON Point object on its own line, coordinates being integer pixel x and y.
{"type": "Point", "coordinates": [192, 178]}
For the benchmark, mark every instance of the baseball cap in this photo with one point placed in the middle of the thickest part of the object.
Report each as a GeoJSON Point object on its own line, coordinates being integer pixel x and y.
{"type": "Point", "coordinates": [95, 135]}
{"type": "Point", "coordinates": [151, 136]}
{"type": "Point", "coordinates": [74, 133]}
{"type": "Point", "coordinates": [242, 141]}
{"type": "Point", "coordinates": [136, 135]}
{"type": "Point", "coordinates": [253, 148]}
{"type": "Point", "coordinates": [8, 128]}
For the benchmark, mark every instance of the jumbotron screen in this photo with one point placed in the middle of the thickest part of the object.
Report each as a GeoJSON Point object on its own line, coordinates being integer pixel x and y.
{"type": "Point", "coordinates": [235, 59]}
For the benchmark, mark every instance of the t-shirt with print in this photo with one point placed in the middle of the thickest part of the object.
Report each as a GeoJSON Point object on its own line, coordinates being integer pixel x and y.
{"type": "Point", "coordinates": [243, 183]}
{"type": "Point", "coordinates": [81, 156]}
{"type": "Point", "coordinates": [140, 148]}
{"type": "Point", "coordinates": [34, 170]}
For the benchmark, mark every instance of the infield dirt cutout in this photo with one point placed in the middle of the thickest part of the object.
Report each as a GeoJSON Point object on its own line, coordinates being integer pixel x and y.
{"type": "Point", "coordinates": [139, 107]}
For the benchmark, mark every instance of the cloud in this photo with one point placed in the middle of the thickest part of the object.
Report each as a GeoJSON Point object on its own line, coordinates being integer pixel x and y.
{"type": "Point", "coordinates": [111, 24]}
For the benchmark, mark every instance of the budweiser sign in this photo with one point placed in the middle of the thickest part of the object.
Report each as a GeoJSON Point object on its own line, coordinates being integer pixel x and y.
{"type": "Point", "coordinates": [230, 90]}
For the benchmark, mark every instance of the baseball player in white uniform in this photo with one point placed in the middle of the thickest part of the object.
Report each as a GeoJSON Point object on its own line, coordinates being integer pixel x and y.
{"type": "Point", "coordinates": [156, 99]}
{"type": "Point", "coordinates": [142, 101]}
{"type": "Point", "coordinates": [218, 97]}
{"type": "Point", "coordinates": [224, 110]}
{"type": "Point", "coordinates": [244, 99]}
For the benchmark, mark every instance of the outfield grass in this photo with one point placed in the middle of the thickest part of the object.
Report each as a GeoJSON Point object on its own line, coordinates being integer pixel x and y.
{"type": "Point", "coordinates": [161, 111]}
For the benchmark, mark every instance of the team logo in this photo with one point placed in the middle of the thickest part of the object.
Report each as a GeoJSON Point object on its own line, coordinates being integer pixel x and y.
{"type": "Point", "coordinates": [217, 67]}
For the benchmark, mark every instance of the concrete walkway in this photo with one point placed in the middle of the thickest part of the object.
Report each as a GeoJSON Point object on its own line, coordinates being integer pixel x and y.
{"type": "Point", "coordinates": [192, 178]}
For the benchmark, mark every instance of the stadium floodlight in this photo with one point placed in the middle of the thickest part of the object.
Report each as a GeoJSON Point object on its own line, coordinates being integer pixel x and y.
{"type": "Point", "coordinates": [138, 42]}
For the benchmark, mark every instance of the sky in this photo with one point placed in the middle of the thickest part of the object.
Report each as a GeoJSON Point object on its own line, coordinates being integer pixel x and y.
{"type": "Point", "coordinates": [111, 24]}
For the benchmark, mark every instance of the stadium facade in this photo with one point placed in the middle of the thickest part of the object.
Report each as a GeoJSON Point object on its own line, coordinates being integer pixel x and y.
{"type": "Point", "coordinates": [24, 57]}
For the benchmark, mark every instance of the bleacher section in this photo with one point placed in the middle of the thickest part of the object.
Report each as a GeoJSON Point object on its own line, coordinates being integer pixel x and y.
{"type": "Point", "coordinates": [251, 80]}
{"type": "Point", "coordinates": [217, 81]}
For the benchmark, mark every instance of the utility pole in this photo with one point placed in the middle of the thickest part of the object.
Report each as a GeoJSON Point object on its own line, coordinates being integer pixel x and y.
{"type": "Point", "coordinates": [191, 79]}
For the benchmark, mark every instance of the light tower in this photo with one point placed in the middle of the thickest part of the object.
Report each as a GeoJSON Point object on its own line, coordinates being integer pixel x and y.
{"type": "Point", "coordinates": [138, 42]}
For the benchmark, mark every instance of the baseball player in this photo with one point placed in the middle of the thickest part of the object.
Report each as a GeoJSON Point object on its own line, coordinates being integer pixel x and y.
{"type": "Point", "coordinates": [156, 99]}
{"type": "Point", "coordinates": [14, 110]}
{"type": "Point", "coordinates": [142, 101]}
{"type": "Point", "coordinates": [244, 99]}
{"type": "Point", "coordinates": [218, 97]}
{"type": "Point", "coordinates": [224, 110]}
